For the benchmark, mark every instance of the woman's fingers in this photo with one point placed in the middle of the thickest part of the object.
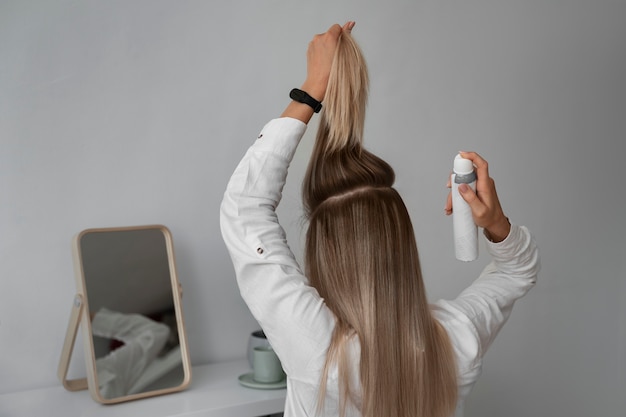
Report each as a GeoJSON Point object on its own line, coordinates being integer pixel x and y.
{"type": "Point", "coordinates": [348, 26]}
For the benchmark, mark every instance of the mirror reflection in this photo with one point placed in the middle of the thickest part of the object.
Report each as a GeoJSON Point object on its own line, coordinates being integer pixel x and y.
{"type": "Point", "coordinates": [131, 291]}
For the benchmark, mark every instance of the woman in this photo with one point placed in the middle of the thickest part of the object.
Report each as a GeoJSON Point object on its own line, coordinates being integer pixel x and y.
{"type": "Point", "coordinates": [354, 331]}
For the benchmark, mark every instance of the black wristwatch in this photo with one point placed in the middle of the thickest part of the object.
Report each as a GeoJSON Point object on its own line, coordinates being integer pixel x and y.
{"type": "Point", "coordinates": [302, 97]}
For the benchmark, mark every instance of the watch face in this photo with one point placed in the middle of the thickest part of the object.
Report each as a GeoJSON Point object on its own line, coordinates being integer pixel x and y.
{"type": "Point", "coordinates": [298, 95]}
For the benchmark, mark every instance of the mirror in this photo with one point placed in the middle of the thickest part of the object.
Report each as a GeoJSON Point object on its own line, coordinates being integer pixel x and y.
{"type": "Point", "coordinates": [129, 304]}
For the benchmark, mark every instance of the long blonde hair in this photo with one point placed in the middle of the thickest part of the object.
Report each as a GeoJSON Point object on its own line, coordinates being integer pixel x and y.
{"type": "Point", "coordinates": [361, 256]}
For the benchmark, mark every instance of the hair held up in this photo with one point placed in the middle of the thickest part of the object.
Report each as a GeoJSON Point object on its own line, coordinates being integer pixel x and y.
{"type": "Point", "coordinates": [339, 163]}
{"type": "Point", "coordinates": [361, 256]}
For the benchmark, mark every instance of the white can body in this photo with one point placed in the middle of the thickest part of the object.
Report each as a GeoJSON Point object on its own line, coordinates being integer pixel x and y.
{"type": "Point", "coordinates": [465, 230]}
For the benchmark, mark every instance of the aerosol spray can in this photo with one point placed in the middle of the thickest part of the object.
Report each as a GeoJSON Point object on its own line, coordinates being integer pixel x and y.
{"type": "Point", "coordinates": [465, 230]}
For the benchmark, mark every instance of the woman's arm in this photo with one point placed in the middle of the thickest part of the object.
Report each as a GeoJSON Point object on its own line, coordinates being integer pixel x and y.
{"type": "Point", "coordinates": [488, 302]}
{"type": "Point", "coordinates": [293, 316]}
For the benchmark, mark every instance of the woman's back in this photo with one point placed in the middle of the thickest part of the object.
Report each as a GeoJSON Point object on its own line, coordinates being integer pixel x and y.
{"type": "Point", "coordinates": [355, 334]}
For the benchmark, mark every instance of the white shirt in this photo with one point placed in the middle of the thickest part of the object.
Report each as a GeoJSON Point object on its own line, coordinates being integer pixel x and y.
{"type": "Point", "coordinates": [143, 340]}
{"type": "Point", "coordinates": [295, 318]}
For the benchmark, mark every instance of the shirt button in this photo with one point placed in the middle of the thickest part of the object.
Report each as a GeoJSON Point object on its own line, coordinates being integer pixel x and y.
{"type": "Point", "coordinates": [259, 251]}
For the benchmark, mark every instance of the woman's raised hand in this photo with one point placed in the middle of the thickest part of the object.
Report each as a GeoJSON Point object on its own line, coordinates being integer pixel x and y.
{"type": "Point", "coordinates": [320, 59]}
{"type": "Point", "coordinates": [320, 55]}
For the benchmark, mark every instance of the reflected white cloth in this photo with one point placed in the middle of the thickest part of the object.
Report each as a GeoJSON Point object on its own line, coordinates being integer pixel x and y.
{"type": "Point", "coordinates": [293, 315]}
{"type": "Point", "coordinates": [143, 340]}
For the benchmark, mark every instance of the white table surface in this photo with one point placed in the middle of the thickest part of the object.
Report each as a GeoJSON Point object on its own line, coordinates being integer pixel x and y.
{"type": "Point", "coordinates": [214, 392]}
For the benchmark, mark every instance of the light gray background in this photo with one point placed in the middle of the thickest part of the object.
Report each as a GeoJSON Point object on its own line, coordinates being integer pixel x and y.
{"type": "Point", "coordinates": [118, 113]}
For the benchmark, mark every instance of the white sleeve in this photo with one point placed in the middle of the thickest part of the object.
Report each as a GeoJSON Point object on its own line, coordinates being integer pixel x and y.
{"type": "Point", "coordinates": [294, 317]}
{"type": "Point", "coordinates": [128, 327]}
{"type": "Point", "coordinates": [143, 340]}
{"type": "Point", "coordinates": [488, 302]}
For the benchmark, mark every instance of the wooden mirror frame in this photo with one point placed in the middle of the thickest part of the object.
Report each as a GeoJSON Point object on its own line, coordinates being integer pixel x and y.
{"type": "Point", "coordinates": [80, 315]}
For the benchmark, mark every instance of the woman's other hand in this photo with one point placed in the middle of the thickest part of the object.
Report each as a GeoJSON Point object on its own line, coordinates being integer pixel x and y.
{"type": "Point", "coordinates": [486, 209]}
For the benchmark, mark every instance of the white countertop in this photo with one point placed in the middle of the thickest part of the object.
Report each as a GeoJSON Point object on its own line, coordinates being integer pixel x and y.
{"type": "Point", "coordinates": [214, 392]}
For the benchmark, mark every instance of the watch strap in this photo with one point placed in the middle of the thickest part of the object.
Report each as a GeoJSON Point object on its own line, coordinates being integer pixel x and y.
{"type": "Point", "coordinates": [303, 97]}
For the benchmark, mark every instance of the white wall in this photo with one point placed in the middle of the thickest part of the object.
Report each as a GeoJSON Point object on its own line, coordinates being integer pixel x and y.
{"type": "Point", "coordinates": [117, 113]}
